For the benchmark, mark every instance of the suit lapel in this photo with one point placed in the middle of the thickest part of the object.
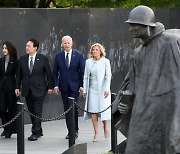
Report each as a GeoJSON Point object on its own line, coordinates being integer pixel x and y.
{"type": "Point", "coordinates": [26, 63]}
{"type": "Point", "coordinates": [63, 58]}
{"type": "Point", "coordinates": [10, 64]}
{"type": "Point", "coordinates": [36, 61]}
{"type": "Point", "coordinates": [73, 55]}
{"type": "Point", "coordinates": [3, 65]}
{"type": "Point", "coordinates": [100, 66]}
{"type": "Point", "coordinates": [91, 62]}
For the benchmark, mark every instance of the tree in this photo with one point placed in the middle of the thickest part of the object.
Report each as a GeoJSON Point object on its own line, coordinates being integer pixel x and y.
{"type": "Point", "coordinates": [88, 3]}
{"type": "Point", "coordinates": [27, 3]}
{"type": "Point", "coordinates": [34, 3]}
{"type": "Point", "coordinates": [8, 3]}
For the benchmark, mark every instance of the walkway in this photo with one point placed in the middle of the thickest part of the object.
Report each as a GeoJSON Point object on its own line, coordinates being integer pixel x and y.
{"type": "Point", "coordinates": [54, 142]}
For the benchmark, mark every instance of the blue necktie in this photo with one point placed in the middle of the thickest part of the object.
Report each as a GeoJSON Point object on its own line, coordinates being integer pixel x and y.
{"type": "Point", "coordinates": [67, 60]}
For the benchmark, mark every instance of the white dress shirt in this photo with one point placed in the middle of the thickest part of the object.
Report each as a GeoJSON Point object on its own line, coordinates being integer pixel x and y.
{"type": "Point", "coordinates": [34, 56]}
{"type": "Point", "coordinates": [70, 53]}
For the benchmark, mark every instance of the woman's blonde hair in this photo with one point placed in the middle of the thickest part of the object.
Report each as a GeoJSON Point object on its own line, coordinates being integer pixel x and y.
{"type": "Point", "coordinates": [102, 49]}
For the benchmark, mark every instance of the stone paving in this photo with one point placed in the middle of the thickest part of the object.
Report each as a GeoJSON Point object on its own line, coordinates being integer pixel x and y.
{"type": "Point", "coordinates": [54, 142]}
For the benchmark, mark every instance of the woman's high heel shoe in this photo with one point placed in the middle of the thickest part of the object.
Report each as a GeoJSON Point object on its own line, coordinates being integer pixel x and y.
{"type": "Point", "coordinates": [95, 138]}
{"type": "Point", "coordinates": [106, 135]}
{"type": "Point", "coordinates": [106, 131]}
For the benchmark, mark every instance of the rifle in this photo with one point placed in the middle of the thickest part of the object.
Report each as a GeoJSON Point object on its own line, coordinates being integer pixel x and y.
{"type": "Point", "coordinates": [118, 98]}
{"type": "Point", "coordinates": [121, 121]}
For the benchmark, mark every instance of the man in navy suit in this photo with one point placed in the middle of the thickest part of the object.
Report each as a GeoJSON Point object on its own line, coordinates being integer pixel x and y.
{"type": "Point", "coordinates": [35, 77]}
{"type": "Point", "coordinates": [68, 75]}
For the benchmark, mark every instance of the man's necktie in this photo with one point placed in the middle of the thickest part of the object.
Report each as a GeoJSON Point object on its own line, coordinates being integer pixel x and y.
{"type": "Point", "coordinates": [31, 65]}
{"type": "Point", "coordinates": [67, 60]}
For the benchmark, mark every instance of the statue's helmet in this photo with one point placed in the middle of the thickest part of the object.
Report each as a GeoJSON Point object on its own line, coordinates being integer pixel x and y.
{"type": "Point", "coordinates": [142, 15]}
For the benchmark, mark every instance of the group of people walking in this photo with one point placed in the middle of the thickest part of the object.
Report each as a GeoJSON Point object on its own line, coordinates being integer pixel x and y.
{"type": "Point", "coordinates": [154, 80]}
{"type": "Point", "coordinates": [32, 78]}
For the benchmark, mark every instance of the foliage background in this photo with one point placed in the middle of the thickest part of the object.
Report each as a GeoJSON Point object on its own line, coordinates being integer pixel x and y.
{"type": "Point", "coordinates": [87, 3]}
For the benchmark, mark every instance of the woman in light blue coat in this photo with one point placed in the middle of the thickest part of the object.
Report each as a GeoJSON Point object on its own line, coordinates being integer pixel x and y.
{"type": "Point", "coordinates": [96, 88]}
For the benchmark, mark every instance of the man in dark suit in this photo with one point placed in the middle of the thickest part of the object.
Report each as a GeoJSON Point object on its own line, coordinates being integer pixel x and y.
{"type": "Point", "coordinates": [68, 75]}
{"type": "Point", "coordinates": [35, 77]}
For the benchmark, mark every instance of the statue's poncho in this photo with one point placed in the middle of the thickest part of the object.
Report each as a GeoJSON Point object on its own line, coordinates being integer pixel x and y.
{"type": "Point", "coordinates": [155, 79]}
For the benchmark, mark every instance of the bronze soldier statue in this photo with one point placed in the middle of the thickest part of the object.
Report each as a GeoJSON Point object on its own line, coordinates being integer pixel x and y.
{"type": "Point", "coordinates": [154, 80]}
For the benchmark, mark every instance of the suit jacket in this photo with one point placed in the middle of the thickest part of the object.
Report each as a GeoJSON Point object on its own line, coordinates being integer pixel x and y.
{"type": "Point", "coordinates": [71, 76]}
{"type": "Point", "coordinates": [39, 81]}
{"type": "Point", "coordinates": [7, 79]}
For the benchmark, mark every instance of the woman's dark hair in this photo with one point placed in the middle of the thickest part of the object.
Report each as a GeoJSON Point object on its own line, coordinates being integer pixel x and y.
{"type": "Point", "coordinates": [11, 49]}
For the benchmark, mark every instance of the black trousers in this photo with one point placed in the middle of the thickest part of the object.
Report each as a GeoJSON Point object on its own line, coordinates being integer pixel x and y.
{"type": "Point", "coordinates": [8, 109]}
{"type": "Point", "coordinates": [35, 106]}
{"type": "Point", "coordinates": [65, 96]}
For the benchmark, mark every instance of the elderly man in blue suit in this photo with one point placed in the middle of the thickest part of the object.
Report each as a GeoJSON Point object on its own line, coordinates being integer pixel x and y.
{"type": "Point", "coordinates": [68, 75]}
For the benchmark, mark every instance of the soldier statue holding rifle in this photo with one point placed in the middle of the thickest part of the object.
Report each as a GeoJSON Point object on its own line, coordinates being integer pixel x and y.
{"type": "Point", "coordinates": [154, 81]}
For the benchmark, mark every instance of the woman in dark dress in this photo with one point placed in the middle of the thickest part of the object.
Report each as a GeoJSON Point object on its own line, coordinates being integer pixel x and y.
{"type": "Point", "coordinates": [8, 67]}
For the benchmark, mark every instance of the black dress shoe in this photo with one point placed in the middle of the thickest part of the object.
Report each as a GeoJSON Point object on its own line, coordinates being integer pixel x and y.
{"type": "Point", "coordinates": [3, 133]}
{"type": "Point", "coordinates": [76, 135]}
{"type": "Point", "coordinates": [67, 137]}
{"type": "Point", "coordinates": [34, 137]}
{"type": "Point", "coordinates": [7, 135]}
{"type": "Point", "coordinates": [39, 135]}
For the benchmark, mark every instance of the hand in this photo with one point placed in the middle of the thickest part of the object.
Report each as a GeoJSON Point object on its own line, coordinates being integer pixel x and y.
{"type": "Point", "coordinates": [106, 94]}
{"type": "Point", "coordinates": [84, 95]}
{"type": "Point", "coordinates": [123, 108]}
{"type": "Point", "coordinates": [56, 90]}
{"type": "Point", "coordinates": [50, 91]}
{"type": "Point", "coordinates": [81, 91]}
{"type": "Point", "coordinates": [17, 92]}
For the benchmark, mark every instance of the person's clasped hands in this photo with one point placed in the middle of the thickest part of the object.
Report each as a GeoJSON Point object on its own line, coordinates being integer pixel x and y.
{"type": "Point", "coordinates": [56, 90]}
{"type": "Point", "coordinates": [106, 93]}
{"type": "Point", "coordinates": [82, 93]}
